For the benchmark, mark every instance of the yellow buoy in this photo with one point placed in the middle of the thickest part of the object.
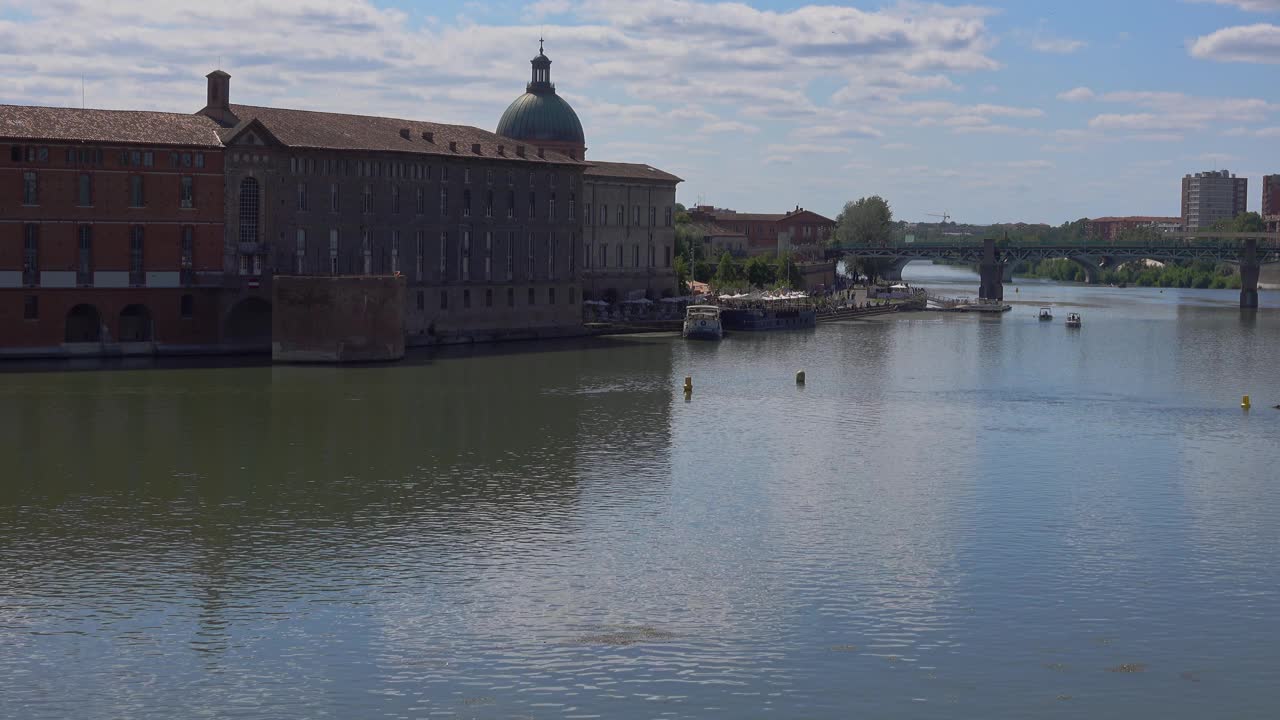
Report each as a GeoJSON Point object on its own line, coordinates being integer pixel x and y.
{"type": "Point", "coordinates": [800, 377]}
{"type": "Point", "coordinates": [1246, 403]}
{"type": "Point", "coordinates": [688, 384]}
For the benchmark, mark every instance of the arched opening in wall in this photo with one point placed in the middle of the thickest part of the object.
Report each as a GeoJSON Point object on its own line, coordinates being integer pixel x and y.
{"type": "Point", "coordinates": [136, 324]}
{"type": "Point", "coordinates": [84, 324]}
{"type": "Point", "coordinates": [248, 322]}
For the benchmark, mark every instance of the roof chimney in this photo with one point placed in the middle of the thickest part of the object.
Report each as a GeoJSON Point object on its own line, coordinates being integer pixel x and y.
{"type": "Point", "coordinates": [429, 137]}
{"type": "Point", "coordinates": [404, 133]}
{"type": "Point", "coordinates": [453, 146]}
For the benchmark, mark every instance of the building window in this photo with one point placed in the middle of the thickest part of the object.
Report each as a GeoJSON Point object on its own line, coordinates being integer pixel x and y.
{"type": "Point", "coordinates": [30, 254]}
{"type": "Point", "coordinates": [488, 256]}
{"type": "Point", "coordinates": [635, 255]}
{"type": "Point", "coordinates": [551, 296]}
{"type": "Point", "coordinates": [464, 257]}
{"type": "Point", "coordinates": [30, 188]}
{"type": "Point", "coordinates": [466, 175]}
{"type": "Point", "coordinates": [488, 203]}
{"type": "Point", "coordinates": [421, 198]}
{"type": "Point", "coordinates": [604, 255]}
{"type": "Point", "coordinates": [604, 215]}
{"type": "Point", "coordinates": [84, 261]}
{"type": "Point", "coordinates": [31, 307]}
{"type": "Point", "coordinates": [368, 197]}
{"type": "Point", "coordinates": [511, 297]}
{"type": "Point", "coordinates": [137, 198]}
{"type": "Point", "coordinates": [666, 255]}
{"type": "Point", "coordinates": [531, 298]}
{"type": "Point", "coordinates": [511, 256]}
{"type": "Point", "coordinates": [466, 299]}
{"type": "Point", "coordinates": [444, 202]}
{"type": "Point", "coordinates": [668, 221]}
{"type": "Point", "coordinates": [551, 255]}
{"type": "Point", "coordinates": [422, 300]}
{"type": "Point", "coordinates": [186, 255]}
{"type": "Point", "coordinates": [302, 196]}
{"type": "Point", "coordinates": [333, 252]}
{"type": "Point", "coordinates": [136, 276]}
{"type": "Point", "coordinates": [395, 198]}
{"type": "Point", "coordinates": [249, 210]}
{"type": "Point", "coordinates": [466, 203]}
{"type": "Point", "coordinates": [444, 299]}
{"type": "Point", "coordinates": [395, 252]}
{"type": "Point", "coordinates": [300, 252]}
{"type": "Point", "coordinates": [652, 255]}
{"type": "Point", "coordinates": [444, 173]}
{"type": "Point", "coordinates": [653, 216]}
{"type": "Point", "coordinates": [635, 215]}
{"type": "Point", "coordinates": [186, 307]}
{"type": "Point", "coordinates": [444, 254]}
{"type": "Point", "coordinates": [620, 255]}
{"type": "Point", "coordinates": [551, 207]}
{"type": "Point", "coordinates": [622, 215]}
{"type": "Point", "coordinates": [366, 250]}
{"type": "Point", "coordinates": [573, 253]}
{"type": "Point", "coordinates": [572, 200]}
{"type": "Point", "coordinates": [586, 255]}
{"type": "Point", "coordinates": [417, 265]}
{"type": "Point", "coordinates": [333, 197]}
{"type": "Point", "coordinates": [572, 295]}
{"type": "Point", "coordinates": [533, 200]}
{"type": "Point", "coordinates": [488, 297]}
{"type": "Point", "coordinates": [86, 190]}
{"type": "Point", "coordinates": [200, 160]}
{"type": "Point", "coordinates": [586, 214]}
{"type": "Point", "coordinates": [529, 248]}
{"type": "Point", "coordinates": [511, 204]}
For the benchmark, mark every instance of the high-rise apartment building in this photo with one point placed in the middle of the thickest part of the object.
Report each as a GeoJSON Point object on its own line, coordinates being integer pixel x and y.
{"type": "Point", "coordinates": [1208, 197]}
{"type": "Point", "coordinates": [1271, 195]}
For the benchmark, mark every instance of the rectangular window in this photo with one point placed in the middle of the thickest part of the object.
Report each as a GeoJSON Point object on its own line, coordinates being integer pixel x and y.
{"type": "Point", "coordinates": [333, 252]}
{"type": "Point", "coordinates": [421, 196]}
{"type": "Point", "coordinates": [136, 195]}
{"type": "Point", "coordinates": [604, 215]}
{"type": "Point", "coordinates": [488, 176]}
{"type": "Point", "coordinates": [366, 249]}
{"type": "Point", "coordinates": [466, 175]}
{"type": "Point", "coordinates": [652, 255]}
{"type": "Point", "coordinates": [444, 202]}
{"type": "Point", "coordinates": [551, 255]}
{"type": "Point", "coordinates": [368, 198]}
{"type": "Point", "coordinates": [444, 299]}
{"type": "Point", "coordinates": [551, 296]}
{"type": "Point", "coordinates": [30, 188]}
{"type": "Point", "coordinates": [422, 300]}
{"type": "Point", "coordinates": [300, 251]}
{"type": "Point", "coordinates": [84, 261]}
{"type": "Point", "coordinates": [511, 256]}
{"type": "Point", "coordinates": [511, 204]}
{"type": "Point", "coordinates": [666, 255]}
{"type": "Point", "coordinates": [620, 255]}
{"type": "Point", "coordinates": [464, 257]}
{"type": "Point", "coordinates": [466, 299]}
{"type": "Point", "coordinates": [488, 203]}
{"type": "Point", "coordinates": [444, 255]}
{"type": "Point", "coordinates": [551, 207]}
{"type": "Point", "coordinates": [622, 215]}
{"type": "Point", "coordinates": [395, 198]}
{"type": "Point", "coordinates": [586, 255]}
{"type": "Point", "coordinates": [531, 298]}
{"type": "Point", "coordinates": [333, 197]}
{"type": "Point", "coordinates": [533, 200]}
{"type": "Point", "coordinates": [529, 248]}
{"type": "Point", "coordinates": [395, 252]}
{"type": "Point", "coordinates": [30, 254]}
{"type": "Point", "coordinates": [573, 253]}
{"type": "Point", "coordinates": [653, 216]}
{"type": "Point", "coordinates": [417, 265]}
{"type": "Point", "coordinates": [488, 256]}
{"type": "Point", "coordinates": [200, 160]}
{"type": "Point", "coordinates": [444, 174]}
{"type": "Point", "coordinates": [668, 222]}
{"type": "Point", "coordinates": [186, 192]}
{"type": "Point", "coordinates": [31, 307]}
{"type": "Point", "coordinates": [572, 210]}
{"type": "Point", "coordinates": [511, 297]}
{"type": "Point", "coordinates": [635, 215]}
{"type": "Point", "coordinates": [86, 190]}
{"type": "Point", "coordinates": [186, 307]}
{"type": "Point", "coordinates": [186, 255]}
{"type": "Point", "coordinates": [586, 214]}
{"type": "Point", "coordinates": [137, 277]}
{"type": "Point", "coordinates": [488, 297]}
{"type": "Point", "coordinates": [635, 255]}
{"type": "Point", "coordinates": [466, 203]}
{"type": "Point", "coordinates": [302, 196]}
{"type": "Point", "coordinates": [604, 255]}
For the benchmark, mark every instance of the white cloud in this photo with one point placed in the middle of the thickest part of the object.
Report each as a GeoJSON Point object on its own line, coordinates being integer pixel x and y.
{"type": "Point", "coordinates": [1057, 46]}
{"type": "Point", "coordinates": [729, 126]}
{"type": "Point", "coordinates": [1079, 94]}
{"type": "Point", "coordinates": [778, 160]}
{"type": "Point", "coordinates": [1246, 43]}
{"type": "Point", "coordinates": [1248, 5]}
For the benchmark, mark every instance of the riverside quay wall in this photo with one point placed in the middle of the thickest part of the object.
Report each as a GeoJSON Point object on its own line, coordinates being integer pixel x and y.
{"type": "Point", "coordinates": [337, 319]}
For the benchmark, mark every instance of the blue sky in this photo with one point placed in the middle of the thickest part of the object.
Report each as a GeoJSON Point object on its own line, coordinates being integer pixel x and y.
{"type": "Point", "coordinates": [1029, 111]}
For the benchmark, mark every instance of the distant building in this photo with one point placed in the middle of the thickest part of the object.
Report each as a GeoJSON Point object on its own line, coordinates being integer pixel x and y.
{"type": "Point", "coordinates": [1109, 228]}
{"type": "Point", "coordinates": [1208, 197]}
{"type": "Point", "coordinates": [1271, 202]}
{"type": "Point", "coordinates": [718, 240]}
{"type": "Point", "coordinates": [798, 230]}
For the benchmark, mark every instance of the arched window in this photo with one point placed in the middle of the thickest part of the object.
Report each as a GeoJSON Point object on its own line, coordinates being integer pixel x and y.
{"type": "Point", "coordinates": [249, 210]}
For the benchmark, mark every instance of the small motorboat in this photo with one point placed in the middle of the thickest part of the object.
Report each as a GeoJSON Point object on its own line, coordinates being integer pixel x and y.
{"type": "Point", "coordinates": [1046, 314]}
{"type": "Point", "coordinates": [1073, 320]}
{"type": "Point", "coordinates": [702, 322]}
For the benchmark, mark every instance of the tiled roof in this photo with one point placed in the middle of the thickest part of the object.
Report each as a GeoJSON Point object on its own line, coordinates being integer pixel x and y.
{"type": "Point", "coordinates": [110, 126]}
{"type": "Point", "coordinates": [629, 171]}
{"type": "Point", "coordinates": [336, 131]}
{"type": "Point", "coordinates": [748, 217]}
{"type": "Point", "coordinates": [714, 230]}
{"type": "Point", "coordinates": [1136, 218]}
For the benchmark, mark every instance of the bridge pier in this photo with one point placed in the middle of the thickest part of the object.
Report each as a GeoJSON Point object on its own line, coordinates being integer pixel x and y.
{"type": "Point", "coordinates": [990, 272]}
{"type": "Point", "coordinates": [1250, 269]}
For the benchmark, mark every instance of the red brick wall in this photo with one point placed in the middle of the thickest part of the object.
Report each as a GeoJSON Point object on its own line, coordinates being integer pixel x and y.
{"type": "Point", "coordinates": [165, 306]}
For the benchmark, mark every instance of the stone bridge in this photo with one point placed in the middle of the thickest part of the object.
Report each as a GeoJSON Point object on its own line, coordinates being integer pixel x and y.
{"type": "Point", "coordinates": [995, 260]}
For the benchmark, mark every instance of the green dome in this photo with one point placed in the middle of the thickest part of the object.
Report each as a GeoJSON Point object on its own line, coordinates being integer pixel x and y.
{"type": "Point", "coordinates": [541, 116]}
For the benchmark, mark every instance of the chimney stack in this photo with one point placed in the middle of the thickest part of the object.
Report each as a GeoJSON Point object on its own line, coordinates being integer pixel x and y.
{"type": "Point", "coordinates": [404, 133]}
{"type": "Point", "coordinates": [218, 97]}
{"type": "Point", "coordinates": [429, 137]}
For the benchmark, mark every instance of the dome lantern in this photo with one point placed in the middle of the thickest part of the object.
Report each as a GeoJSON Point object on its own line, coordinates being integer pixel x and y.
{"type": "Point", "coordinates": [541, 117]}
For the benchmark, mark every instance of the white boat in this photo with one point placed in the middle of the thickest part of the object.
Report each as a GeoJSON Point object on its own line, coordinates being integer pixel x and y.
{"type": "Point", "coordinates": [702, 322]}
{"type": "Point", "coordinates": [1073, 320]}
{"type": "Point", "coordinates": [1046, 313]}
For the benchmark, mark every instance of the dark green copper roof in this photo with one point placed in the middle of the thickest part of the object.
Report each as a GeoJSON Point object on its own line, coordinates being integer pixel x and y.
{"type": "Point", "coordinates": [541, 116]}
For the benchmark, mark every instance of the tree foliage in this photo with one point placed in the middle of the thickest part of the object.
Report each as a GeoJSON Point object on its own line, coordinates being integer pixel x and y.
{"type": "Point", "coordinates": [866, 221]}
{"type": "Point", "coordinates": [727, 272]}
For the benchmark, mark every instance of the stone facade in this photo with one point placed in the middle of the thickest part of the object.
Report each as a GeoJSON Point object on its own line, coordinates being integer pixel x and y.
{"type": "Point", "coordinates": [630, 232]}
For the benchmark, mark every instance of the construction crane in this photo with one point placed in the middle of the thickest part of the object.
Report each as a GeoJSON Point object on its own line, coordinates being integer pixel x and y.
{"type": "Point", "coordinates": [945, 216]}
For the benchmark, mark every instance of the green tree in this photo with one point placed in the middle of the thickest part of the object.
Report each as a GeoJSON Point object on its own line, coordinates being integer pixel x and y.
{"type": "Point", "coordinates": [761, 272]}
{"type": "Point", "coordinates": [727, 271]}
{"type": "Point", "coordinates": [689, 241]}
{"type": "Point", "coordinates": [703, 271]}
{"type": "Point", "coordinates": [788, 272]}
{"type": "Point", "coordinates": [682, 274]}
{"type": "Point", "coordinates": [867, 221]}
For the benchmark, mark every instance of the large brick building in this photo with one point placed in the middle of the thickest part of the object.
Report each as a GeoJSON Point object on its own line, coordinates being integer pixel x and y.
{"type": "Point", "coordinates": [1109, 228]}
{"type": "Point", "coordinates": [1208, 197]}
{"type": "Point", "coordinates": [111, 234]}
{"type": "Point", "coordinates": [796, 231]}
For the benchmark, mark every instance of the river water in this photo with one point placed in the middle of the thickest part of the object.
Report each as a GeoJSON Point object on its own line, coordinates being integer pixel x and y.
{"type": "Point", "coordinates": [958, 516]}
